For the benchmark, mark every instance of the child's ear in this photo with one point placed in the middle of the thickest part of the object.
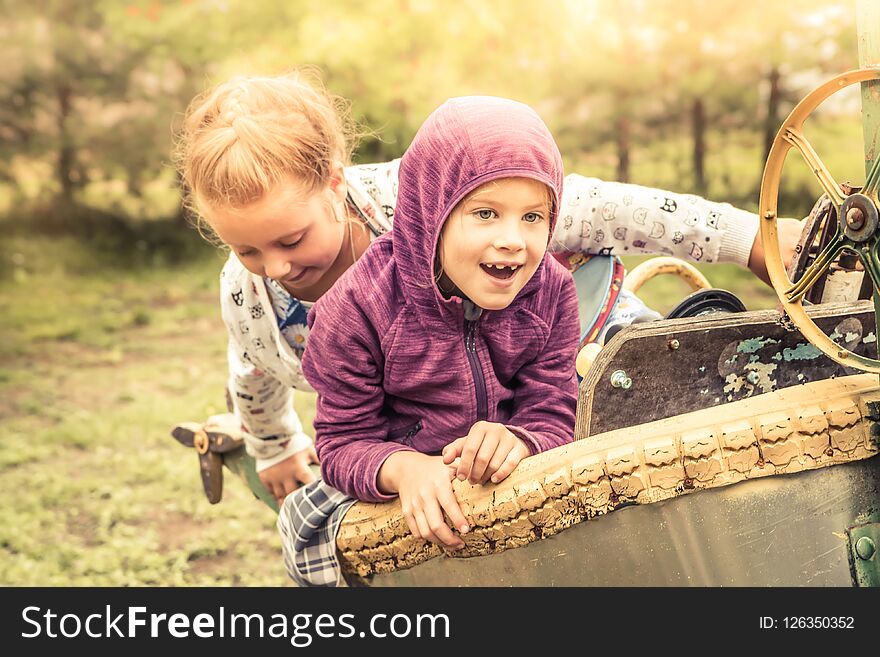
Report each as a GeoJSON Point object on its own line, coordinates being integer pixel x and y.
{"type": "Point", "coordinates": [337, 185]}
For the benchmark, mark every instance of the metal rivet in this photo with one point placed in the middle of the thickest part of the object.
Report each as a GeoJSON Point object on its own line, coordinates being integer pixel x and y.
{"type": "Point", "coordinates": [673, 344]}
{"type": "Point", "coordinates": [855, 218]}
{"type": "Point", "coordinates": [842, 354]}
{"type": "Point", "coordinates": [753, 378]}
{"type": "Point", "coordinates": [865, 548]}
{"type": "Point", "coordinates": [769, 214]}
{"type": "Point", "coordinates": [619, 379]}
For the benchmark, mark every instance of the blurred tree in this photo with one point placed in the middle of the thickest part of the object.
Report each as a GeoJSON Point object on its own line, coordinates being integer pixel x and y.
{"type": "Point", "coordinates": [97, 89]}
{"type": "Point", "coordinates": [399, 59]}
{"type": "Point", "coordinates": [63, 56]}
{"type": "Point", "coordinates": [94, 85]}
{"type": "Point", "coordinates": [605, 78]}
{"type": "Point", "coordinates": [723, 58]}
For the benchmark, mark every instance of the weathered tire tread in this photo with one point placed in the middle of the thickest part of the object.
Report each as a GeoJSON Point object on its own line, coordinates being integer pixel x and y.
{"type": "Point", "coordinates": [813, 426]}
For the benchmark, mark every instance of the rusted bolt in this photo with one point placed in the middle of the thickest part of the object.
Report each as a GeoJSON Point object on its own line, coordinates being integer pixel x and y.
{"type": "Point", "coordinates": [753, 378]}
{"type": "Point", "coordinates": [829, 451]}
{"type": "Point", "coordinates": [865, 548]}
{"type": "Point", "coordinates": [760, 463]}
{"type": "Point", "coordinates": [619, 379]}
{"type": "Point", "coordinates": [673, 344]}
{"type": "Point", "coordinates": [201, 442]}
{"type": "Point", "coordinates": [855, 218]}
{"type": "Point", "coordinates": [688, 483]}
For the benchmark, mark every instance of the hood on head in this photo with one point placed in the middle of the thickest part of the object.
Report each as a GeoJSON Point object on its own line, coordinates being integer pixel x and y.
{"type": "Point", "coordinates": [463, 144]}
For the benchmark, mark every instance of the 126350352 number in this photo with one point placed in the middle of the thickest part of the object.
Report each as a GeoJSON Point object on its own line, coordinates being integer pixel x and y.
{"type": "Point", "coordinates": [818, 622]}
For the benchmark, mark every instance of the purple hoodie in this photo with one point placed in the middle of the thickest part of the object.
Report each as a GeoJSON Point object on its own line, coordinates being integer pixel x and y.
{"type": "Point", "coordinates": [398, 367]}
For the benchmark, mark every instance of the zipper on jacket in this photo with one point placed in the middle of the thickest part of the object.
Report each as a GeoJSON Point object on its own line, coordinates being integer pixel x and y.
{"type": "Point", "coordinates": [406, 433]}
{"type": "Point", "coordinates": [470, 347]}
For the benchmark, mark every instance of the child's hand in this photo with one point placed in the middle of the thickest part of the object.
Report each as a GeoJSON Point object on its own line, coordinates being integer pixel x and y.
{"type": "Point", "coordinates": [285, 477]}
{"type": "Point", "coordinates": [424, 485]}
{"type": "Point", "coordinates": [789, 233]}
{"type": "Point", "coordinates": [489, 450]}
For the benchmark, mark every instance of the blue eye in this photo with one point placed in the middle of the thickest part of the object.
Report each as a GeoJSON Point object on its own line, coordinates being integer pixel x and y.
{"type": "Point", "coordinates": [485, 214]}
{"type": "Point", "coordinates": [532, 217]}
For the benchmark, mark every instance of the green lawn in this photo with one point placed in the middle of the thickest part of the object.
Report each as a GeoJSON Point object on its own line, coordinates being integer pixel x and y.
{"type": "Point", "coordinates": [97, 364]}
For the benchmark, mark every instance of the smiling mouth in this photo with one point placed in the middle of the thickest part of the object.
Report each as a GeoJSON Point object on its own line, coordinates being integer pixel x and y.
{"type": "Point", "coordinates": [502, 272]}
{"type": "Point", "coordinates": [294, 279]}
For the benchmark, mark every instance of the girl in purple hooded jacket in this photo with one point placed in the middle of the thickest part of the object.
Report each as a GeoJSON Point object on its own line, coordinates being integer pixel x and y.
{"type": "Point", "coordinates": [448, 349]}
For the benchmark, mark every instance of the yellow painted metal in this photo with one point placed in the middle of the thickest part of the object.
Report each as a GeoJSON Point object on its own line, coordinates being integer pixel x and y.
{"type": "Point", "coordinates": [646, 270]}
{"type": "Point", "coordinates": [791, 135]}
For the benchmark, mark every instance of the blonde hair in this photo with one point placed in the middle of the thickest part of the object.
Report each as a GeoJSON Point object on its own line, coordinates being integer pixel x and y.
{"type": "Point", "coordinates": [240, 138]}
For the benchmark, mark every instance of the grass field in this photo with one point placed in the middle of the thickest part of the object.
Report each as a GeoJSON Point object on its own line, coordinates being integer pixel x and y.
{"type": "Point", "coordinates": [98, 362]}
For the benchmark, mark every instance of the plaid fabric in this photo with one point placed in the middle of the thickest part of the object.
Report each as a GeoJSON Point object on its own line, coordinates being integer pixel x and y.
{"type": "Point", "coordinates": [308, 522]}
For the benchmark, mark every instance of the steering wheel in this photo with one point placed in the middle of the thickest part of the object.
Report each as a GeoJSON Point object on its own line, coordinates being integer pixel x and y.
{"type": "Point", "coordinates": [634, 280]}
{"type": "Point", "coordinates": [648, 269]}
{"type": "Point", "coordinates": [856, 229]}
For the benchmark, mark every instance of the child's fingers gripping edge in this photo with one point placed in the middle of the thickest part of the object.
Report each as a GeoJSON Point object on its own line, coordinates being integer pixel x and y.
{"type": "Point", "coordinates": [469, 450]}
{"type": "Point", "coordinates": [453, 450]}
{"type": "Point", "coordinates": [411, 522]}
{"type": "Point", "coordinates": [488, 448]}
{"type": "Point", "coordinates": [509, 465]}
{"type": "Point", "coordinates": [453, 511]}
{"type": "Point", "coordinates": [441, 532]}
{"type": "Point", "coordinates": [494, 465]}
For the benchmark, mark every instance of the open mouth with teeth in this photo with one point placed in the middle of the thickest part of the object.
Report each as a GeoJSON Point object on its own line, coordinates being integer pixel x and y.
{"type": "Point", "coordinates": [500, 271]}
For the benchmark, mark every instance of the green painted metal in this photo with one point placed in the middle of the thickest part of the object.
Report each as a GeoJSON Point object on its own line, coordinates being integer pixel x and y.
{"type": "Point", "coordinates": [868, 28]}
{"type": "Point", "coordinates": [244, 466]}
{"type": "Point", "coordinates": [864, 545]}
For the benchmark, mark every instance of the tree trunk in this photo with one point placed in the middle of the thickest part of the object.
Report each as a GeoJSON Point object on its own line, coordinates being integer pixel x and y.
{"type": "Point", "coordinates": [66, 153]}
{"type": "Point", "coordinates": [771, 120]}
{"type": "Point", "coordinates": [698, 127]}
{"type": "Point", "coordinates": [623, 147]}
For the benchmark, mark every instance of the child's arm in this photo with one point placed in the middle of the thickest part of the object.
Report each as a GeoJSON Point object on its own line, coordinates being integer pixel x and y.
{"type": "Point", "coordinates": [624, 219]}
{"type": "Point", "coordinates": [423, 483]}
{"type": "Point", "coordinates": [273, 431]}
{"type": "Point", "coordinates": [344, 364]}
{"type": "Point", "coordinates": [261, 385]}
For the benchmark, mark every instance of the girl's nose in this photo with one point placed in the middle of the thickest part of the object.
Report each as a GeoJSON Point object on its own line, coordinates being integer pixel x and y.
{"type": "Point", "coordinates": [276, 266]}
{"type": "Point", "coordinates": [509, 237]}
